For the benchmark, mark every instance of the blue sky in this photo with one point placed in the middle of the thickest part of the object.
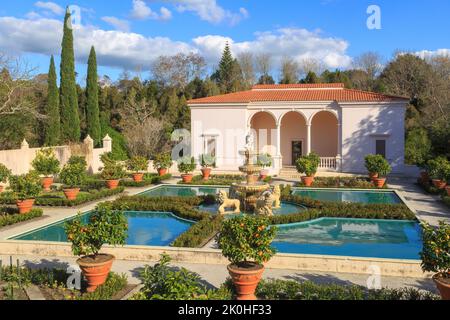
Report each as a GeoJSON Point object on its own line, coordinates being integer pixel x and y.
{"type": "Point", "coordinates": [130, 34]}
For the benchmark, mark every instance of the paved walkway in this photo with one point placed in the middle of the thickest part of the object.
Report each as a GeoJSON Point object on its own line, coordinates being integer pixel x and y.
{"type": "Point", "coordinates": [215, 275]}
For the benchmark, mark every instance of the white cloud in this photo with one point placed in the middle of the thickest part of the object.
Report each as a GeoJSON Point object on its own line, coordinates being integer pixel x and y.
{"type": "Point", "coordinates": [141, 11]}
{"type": "Point", "coordinates": [209, 10]}
{"type": "Point", "coordinates": [130, 50]}
{"type": "Point", "coordinates": [427, 54]}
{"type": "Point", "coordinates": [119, 24]}
{"type": "Point", "coordinates": [32, 15]}
{"type": "Point", "coordinates": [51, 6]}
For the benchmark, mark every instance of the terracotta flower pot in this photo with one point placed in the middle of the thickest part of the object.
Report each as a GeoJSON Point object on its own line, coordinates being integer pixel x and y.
{"type": "Point", "coordinates": [138, 177]}
{"type": "Point", "coordinates": [1, 189]}
{"type": "Point", "coordinates": [425, 177]}
{"type": "Point", "coordinates": [440, 184]}
{"type": "Point", "coordinates": [307, 181]}
{"type": "Point", "coordinates": [96, 273]}
{"type": "Point", "coordinates": [47, 183]}
{"type": "Point", "coordinates": [71, 194]}
{"type": "Point", "coordinates": [112, 184]}
{"type": "Point", "coordinates": [373, 175]}
{"type": "Point", "coordinates": [206, 173]}
{"type": "Point", "coordinates": [246, 280]}
{"type": "Point", "coordinates": [162, 172]}
{"type": "Point", "coordinates": [187, 178]}
{"type": "Point", "coordinates": [379, 182]}
{"type": "Point", "coordinates": [447, 188]}
{"type": "Point", "coordinates": [263, 174]}
{"type": "Point", "coordinates": [443, 286]}
{"type": "Point", "coordinates": [25, 206]}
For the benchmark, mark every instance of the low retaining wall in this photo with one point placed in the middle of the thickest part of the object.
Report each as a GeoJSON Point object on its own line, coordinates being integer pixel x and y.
{"type": "Point", "coordinates": [310, 263]}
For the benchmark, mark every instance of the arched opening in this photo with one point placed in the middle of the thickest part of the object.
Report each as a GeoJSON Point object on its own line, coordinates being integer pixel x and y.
{"type": "Point", "coordinates": [324, 134]}
{"type": "Point", "coordinates": [264, 126]}
{"type": "Point", "coordinates": [293, 137]}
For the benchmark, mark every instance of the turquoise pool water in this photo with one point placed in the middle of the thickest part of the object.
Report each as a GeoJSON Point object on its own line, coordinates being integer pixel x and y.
{"type": "Point", "coordinates": [352, 237]}
{"type": "Point", "coordinates": [286, 208]}
{"type": "Point", "coordinates": [144, 229]}
{"type": "Point", "coordinates": [386, 197]}
{"type": "Point", "coordinates": [181, 191]}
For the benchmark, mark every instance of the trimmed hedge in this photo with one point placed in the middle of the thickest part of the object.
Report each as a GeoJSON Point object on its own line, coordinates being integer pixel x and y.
{"type": "Point", "coordinates": [61, 201]}
{"type": "Point", "coordinates": [342, 182]}
{"type": "Point", "coordinates": [431, 189]}
{"type": "Point", "coordinates": [149, 179]}
{"type": "Point", "coordinates": [10, 216]}
{"type": "Point", "coordinates": [215, 180]}
{"type": "Point", "coordinates": [206, 228]}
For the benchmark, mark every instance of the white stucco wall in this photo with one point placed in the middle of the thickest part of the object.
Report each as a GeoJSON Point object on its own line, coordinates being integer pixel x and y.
{"type": "Point", "coordinates": [362, 125]}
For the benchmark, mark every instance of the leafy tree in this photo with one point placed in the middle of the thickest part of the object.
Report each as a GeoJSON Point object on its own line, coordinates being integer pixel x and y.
{"type": "Point", "coordinates": [52, 127]}
{"type": "Point", "coordinates": [417, 147]}
{"type": "Point", "coordinates": [311, 78]}
{"type": "Point", "coordinates": [70, 121]}
{"type": "Point", "coordinates": [229, 74]}
{"type": "Point", "coordinates": [92, 109]}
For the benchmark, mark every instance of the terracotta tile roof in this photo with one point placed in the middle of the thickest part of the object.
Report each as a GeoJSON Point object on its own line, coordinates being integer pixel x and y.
{"type": "Point", "coordinates": [298, 92]}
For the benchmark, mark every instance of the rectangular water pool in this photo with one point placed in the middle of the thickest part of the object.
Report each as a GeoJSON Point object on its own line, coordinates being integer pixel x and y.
{"type": "Point", "coordinates": [144, 229]}
{"type": "Point", "coordinates": [352, 237]}
{"type": "Point", "coordinates": [182, 191]}
{"type": "Point", "coordinates": [357, 196]}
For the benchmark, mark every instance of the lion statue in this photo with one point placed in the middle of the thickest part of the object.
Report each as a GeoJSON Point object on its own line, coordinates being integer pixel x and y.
{"type": "Point", "coordinates": [264, 204]}
{"type": "Point", "coordinates": [225, 202]}
{"type": "Point", "coordinates": [276, 195]}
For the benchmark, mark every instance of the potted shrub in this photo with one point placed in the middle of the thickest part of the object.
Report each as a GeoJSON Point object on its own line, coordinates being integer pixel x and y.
{"type": "Point", "coordinates": [46, 164]}
{"type": "Point", "coordinates": [264, 161]}
{"type": "Point", "coordinates": [436, 255]}
{"type": "Point", "coordinates": [138, 165]}
{"type": "Point", "coordinates": [378, 168]}
{"type": "Point", "coordinates": [105, 226]}
{"type": "Point", "coordinates": [186, 166]}
{"type": "Point", "coordinates": [307, 165]}
{"type": "Point", "coordinates": [246, 243]}
{"type": "Point", "coordinates": [207, 162]}
{"type": "Point", "coordinates": [25, 188]}
{"type": "Point", "coordinates": [73, 176]}
{"type": "Point", "coordinates": [439, 172]}
{"type": "Point", "coordinates": [162, 162]}
{"type": "Point", "coordinates": [112, 171]}
{"type": "Point", "coordinates": [5, 173]}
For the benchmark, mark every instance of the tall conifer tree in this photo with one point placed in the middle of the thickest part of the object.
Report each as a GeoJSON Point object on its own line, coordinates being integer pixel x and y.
{"type": "Point", "coordinates": [70, 120]}
{"type": "Point", "coordinates": [52, 122]}
{"type": "Point", "coordinates": [92, 109]}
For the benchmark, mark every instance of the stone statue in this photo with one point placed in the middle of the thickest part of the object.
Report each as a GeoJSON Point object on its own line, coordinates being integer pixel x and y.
{"type": "Point", "coordinates": [249, 141]}
{"type": "Point", "coordinates": [276, 195]}
{"type": "Point", "coordinates": [264, 204]}
{"type": "Point", "coordinates": [225, 202]}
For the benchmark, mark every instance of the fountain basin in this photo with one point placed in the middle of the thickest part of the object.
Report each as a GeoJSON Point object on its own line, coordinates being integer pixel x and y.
{"type": "Point", "coordinates": [285, 209]}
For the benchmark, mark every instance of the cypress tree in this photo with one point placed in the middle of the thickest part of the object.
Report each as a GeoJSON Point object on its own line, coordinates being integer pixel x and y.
{"type": "Point", "coordinates": [70, 121]}
{"type": "Point", "coordinates": [52, 123]}
{"type": "Point", "coordinates": [227, 72]}
{"type": "Point", "coordinates": [92, 109]}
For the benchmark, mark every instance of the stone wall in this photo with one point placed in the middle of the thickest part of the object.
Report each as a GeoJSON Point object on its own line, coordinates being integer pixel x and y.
{"type": "Point", "coordinates": [19, 160]}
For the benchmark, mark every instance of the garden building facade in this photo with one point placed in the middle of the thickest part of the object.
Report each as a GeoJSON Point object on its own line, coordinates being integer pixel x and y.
{"type": "Point", "coordinates": [287, 121]}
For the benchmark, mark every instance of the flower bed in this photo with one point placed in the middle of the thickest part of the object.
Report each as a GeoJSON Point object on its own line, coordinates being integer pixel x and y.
{"type": "Point", "coordinates": [341, 182]}
{"type": "Point", "coordinates": [10, 216]}
{"type": "Point", "coordinates": [57, 199]}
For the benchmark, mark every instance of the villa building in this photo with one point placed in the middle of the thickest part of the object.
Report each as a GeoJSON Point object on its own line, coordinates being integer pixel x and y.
{"type": "Point", "coordinates": [287, 121]}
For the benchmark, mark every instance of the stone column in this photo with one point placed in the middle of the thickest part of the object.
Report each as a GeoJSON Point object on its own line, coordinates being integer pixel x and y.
{"type": "Point", "coordinates": [89, 153]}
{"type": "Point", "coordinates": [308, 139]}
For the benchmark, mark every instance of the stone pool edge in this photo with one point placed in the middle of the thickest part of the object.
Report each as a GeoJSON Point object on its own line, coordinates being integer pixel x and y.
{"type": "Point", "coordinates": [298, 262]}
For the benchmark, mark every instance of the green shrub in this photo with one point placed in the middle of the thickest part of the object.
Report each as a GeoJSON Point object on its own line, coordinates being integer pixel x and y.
{"type": "Point", "coordinates": [200, 233]}
{"type": "Point", "coordinates": [162, 161]}
{"type": "Point", "coordinates": [113, 285]}
{"type": "Point", "coordinates": [73, 174]}
{"type": "Point", "coordinates": [10, 216]}
{"type": "Point", "coordinates": [417, 147]}
{"type": "Point", "coordinates": [439, 168]}
{"type": "Point", "coordinates": [5, 173]}
{"type": "Point", "coordinates": [149, 179]}
{"type": "Point", "coordinates": [186, 165]}
{"type": "Point", "coordinates": [106, 226]}
{"type": "Point", "coordinates": [207, 161]}
{"type": "Point", "coordinates": [112, 169]}
{"type": "Point", "coordinates": [377, 164]}
{"type": "Point", "coordinates": [436, 249]}
{"type": "Point", "coordinates": [308, 164]}
{"type": "Point", "coordinates": [45, 163]}
{"type": "Point", "coordinates": [26, 186]}
{"type": "Point", "coordinates": [342, 182]}
{"type": "Point", "coordinates": [247, 239]}
{"type": "Point", "coordinates": [215, 180]}
{"type": "Point", "coordinates": [137, 164]}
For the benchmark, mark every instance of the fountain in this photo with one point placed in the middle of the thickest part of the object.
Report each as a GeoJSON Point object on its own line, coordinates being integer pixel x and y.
{"type": "Point", "coordinates": [255, 196]}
